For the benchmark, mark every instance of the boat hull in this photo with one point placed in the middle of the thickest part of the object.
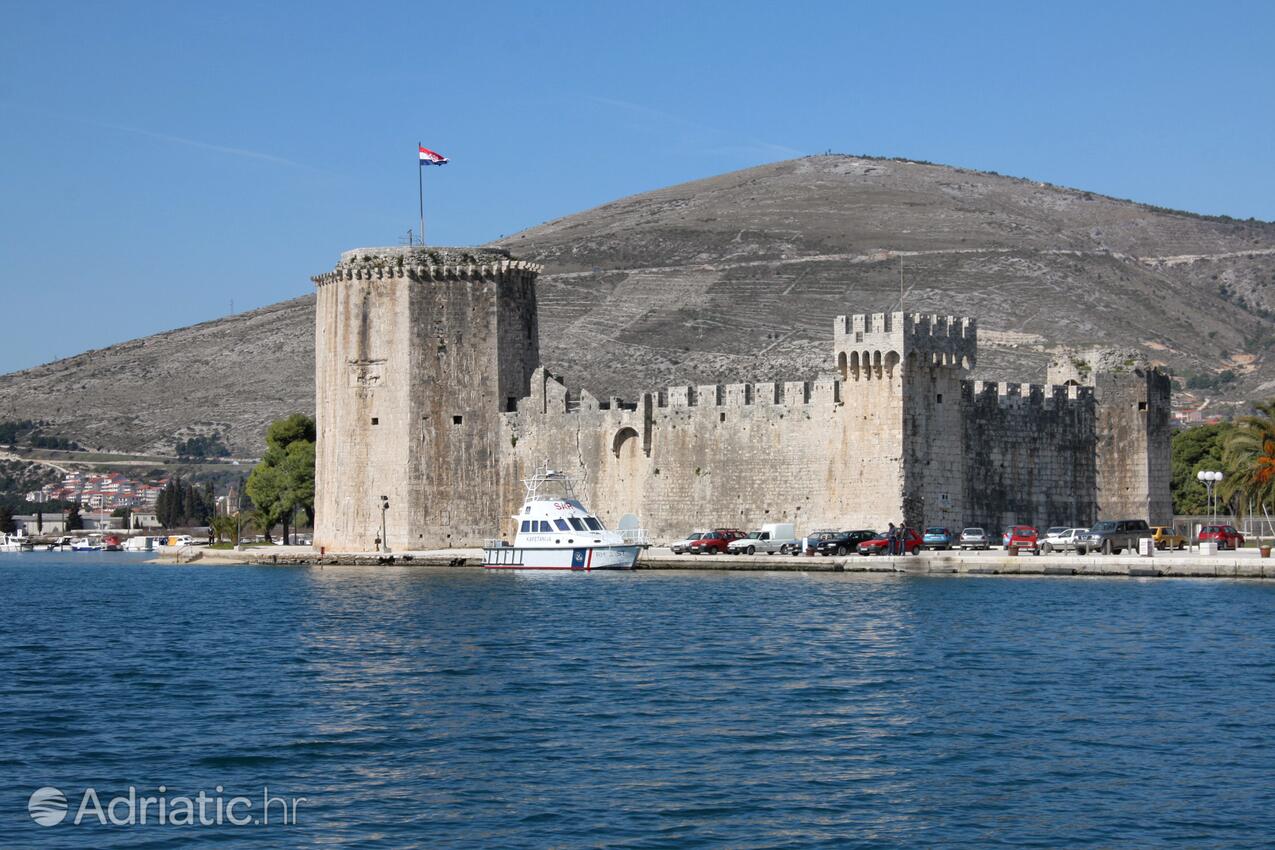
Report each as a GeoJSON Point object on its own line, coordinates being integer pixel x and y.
{"type": "Point", "coordinates": [577, 558]}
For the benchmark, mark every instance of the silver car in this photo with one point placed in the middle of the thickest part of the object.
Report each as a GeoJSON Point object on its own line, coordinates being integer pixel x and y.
{"type": "Point", "coordinates": [973, 538]}
{"type": "Point", "coordinates": [681, 547]}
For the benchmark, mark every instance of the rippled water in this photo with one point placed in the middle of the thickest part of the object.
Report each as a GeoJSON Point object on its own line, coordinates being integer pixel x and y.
{"type": "Point", "coordinates": [436, 708]}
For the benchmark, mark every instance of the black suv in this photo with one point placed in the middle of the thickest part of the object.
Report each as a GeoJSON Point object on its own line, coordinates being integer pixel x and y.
{"type": "Point", "coordinates": [843, 542]}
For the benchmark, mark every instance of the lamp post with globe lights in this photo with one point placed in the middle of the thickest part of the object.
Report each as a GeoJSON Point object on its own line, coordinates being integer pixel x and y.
{"type": "Point", "coordinates": [1209, 478]}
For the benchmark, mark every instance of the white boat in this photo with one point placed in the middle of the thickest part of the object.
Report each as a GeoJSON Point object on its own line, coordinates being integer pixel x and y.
{"type": "Point", "coordinates": [139, 544]}
{"type": "Point", "coordinates": [60, 545]}
{"type": "Point", "coordinates": [15, 542]}
{"type": "Point", "coordinates": [555, 532]}
{"type": "Point", "coordinates": [87, 544]}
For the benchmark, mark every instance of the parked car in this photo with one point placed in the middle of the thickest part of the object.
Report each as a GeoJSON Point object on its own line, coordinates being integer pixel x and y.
{"type": "Point", "coordinates": [715, 541]}
{"type": "Point", "coordinates": [681, 547]}
{"type": "Point", "coordinates": [844, 542]}
{"type": "Point", "coordinates": [1058, 539]}
{"type": "Point", "coordinates": [1226, 536]}
{"type": "Point", "coordinates": [937, 537]}
{"type": "Point", "coordinates": [1064, 541]}
{"type": "Point", "coordinates": [974, 538]}
{"type": "Point", "coordinates": [1167, 537]}
{"type": "Point", "coordinates": [810, 543]}
{"type": "Point", "coordinates": [877, 545]}
{"type": "Point", "coordinates": [1112, 536]}
{"type": "Point", "coordinates": [1022, 537]}
{"type": "Point", "coordinates": [771, 537]}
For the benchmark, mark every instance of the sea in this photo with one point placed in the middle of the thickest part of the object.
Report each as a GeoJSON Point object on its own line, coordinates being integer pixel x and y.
{"type": "Point", "coordinates": [151, 706]}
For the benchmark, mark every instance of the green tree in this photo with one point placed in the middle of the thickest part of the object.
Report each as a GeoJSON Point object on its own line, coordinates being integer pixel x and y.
{"type": "Point", "coordinates": [225, 527]}
{"type": "Point", "coordinates": [74, 522]}
{"type": "Point", "coordinates": [1249, 460]}
{"type": "Point", "coordinates": [125, 514]}
{"type": "Point", "coordinates": [7, 525]}
{"type": "Point", "coordinates": [284, 480]}
{"type": "Point", "coordinates": [1194, 449]}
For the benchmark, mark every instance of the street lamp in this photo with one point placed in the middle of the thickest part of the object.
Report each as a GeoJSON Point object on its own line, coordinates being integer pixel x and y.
{"type": "Point", "coordinates": [1209, 478]}
{"type": "Point", "coordinates": [385, 506]}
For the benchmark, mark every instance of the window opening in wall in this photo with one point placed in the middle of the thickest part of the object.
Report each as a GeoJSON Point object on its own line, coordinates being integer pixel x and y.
{"type": "Point", "coordinates": [939, 398]}
{"type": "Point", "coordinates": [1142, 405]}
{"type": "Point", "coordinates": [456, 420]}
{"type": "Point", "coordinates": [511, 404]}
{"type": "Point", "coordinates": [376, 421]}
{"type": "Point", "coordinates": [721, 417]}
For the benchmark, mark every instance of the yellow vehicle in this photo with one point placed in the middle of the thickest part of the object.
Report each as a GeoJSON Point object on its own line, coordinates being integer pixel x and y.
{"type": "Point", "coordinates": [1167, 538]}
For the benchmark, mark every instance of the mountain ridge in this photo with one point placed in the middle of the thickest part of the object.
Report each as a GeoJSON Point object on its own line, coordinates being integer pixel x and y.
{"type": "Point", "coordinates": [737, 277]}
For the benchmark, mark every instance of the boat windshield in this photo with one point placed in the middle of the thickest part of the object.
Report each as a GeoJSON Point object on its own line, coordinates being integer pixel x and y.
{"type": "Point", "coordinates": [593, 522]}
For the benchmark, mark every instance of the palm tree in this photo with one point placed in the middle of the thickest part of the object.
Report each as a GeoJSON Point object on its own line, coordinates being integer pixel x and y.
{"type": "Point", "coordinates": [1249, 458]}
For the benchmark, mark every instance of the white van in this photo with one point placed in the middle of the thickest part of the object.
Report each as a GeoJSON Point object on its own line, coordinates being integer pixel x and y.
{"type": "Point", "coordinates": [771, 537]}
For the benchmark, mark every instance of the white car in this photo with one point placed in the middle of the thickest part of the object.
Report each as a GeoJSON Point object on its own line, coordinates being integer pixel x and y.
{"type": "Point", "coordinates": [1060, 539]}
{"type": "Point", "coordinates": [683, 547]}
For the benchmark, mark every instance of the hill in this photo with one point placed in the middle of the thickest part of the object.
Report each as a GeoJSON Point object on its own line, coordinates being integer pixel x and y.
{"type": "Point", "coordinates": [737, 277]}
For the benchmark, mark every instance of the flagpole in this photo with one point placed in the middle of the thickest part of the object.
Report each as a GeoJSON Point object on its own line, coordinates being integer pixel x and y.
{"type": "Point", "coordinates": [420, 190]}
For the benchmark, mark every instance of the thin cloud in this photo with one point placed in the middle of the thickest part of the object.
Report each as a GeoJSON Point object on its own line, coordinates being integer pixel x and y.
{"type": "Point", "coordinates": [195, 143]}
{"type": "Point", "coordinates": [244, 153]}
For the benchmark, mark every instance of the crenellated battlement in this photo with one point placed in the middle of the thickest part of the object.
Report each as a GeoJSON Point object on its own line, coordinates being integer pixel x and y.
{"type": "Point", "coordinates": [1009, 393]}
{"type": "Point", "coordinates": [873, 346]}
{"type": "Point", "coordinates": [420, 263]}
{"type": "Point", "coordinates": [550, 395]}
{"type": "Point", "coordinates": [920, 324]}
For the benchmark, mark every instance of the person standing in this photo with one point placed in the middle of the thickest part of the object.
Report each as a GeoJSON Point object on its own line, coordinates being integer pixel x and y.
{"type": "Point", "coordinates": [890, 539]}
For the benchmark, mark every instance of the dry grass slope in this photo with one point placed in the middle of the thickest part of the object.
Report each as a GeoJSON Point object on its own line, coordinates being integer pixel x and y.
{"type": "Point", "coordinates": [737, 277]}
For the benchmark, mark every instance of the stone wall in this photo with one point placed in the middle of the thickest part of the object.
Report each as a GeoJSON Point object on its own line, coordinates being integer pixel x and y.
{"type": "Point", "coordinates": [719, 456]}
{"type": "Point", "coordinates": [1029, 455]}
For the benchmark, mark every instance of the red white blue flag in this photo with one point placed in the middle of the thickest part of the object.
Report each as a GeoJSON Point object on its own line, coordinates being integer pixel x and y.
{"type": "Point", "coordinates": [429, 157]}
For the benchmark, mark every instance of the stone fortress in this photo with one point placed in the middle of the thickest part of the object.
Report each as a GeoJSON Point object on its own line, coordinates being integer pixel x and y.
{"type": "Point", "coordinates": [432, 407]}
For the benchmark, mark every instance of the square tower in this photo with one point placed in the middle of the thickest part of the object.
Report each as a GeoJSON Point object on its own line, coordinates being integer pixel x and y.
{"type": "Point", "coordinates": [417, 352]}
{"type": "Point", "coordinates": [910, 366]}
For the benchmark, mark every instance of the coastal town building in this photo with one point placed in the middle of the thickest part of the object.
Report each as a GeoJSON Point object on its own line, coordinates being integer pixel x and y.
{"type": "Point", "coordinates": [433, 406]}
{"type": "Point", "coordinates": [105, 491]}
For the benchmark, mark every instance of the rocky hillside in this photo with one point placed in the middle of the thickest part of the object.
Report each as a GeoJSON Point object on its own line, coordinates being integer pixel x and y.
{"type": "Point", "coordinates": [738, 277]}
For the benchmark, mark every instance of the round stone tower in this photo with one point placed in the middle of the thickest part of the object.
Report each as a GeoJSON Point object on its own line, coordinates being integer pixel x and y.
{"type": "Point", "coordinates": [417, 351]}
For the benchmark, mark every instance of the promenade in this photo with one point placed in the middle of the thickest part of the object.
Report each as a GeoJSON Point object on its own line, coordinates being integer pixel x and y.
{"type": "Point", "coordinates": [1245, 563]}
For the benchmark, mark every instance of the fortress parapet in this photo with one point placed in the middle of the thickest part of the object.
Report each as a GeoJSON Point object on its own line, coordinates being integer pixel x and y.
{"type": "Point", "coordinates": [1032, 395]}
{"type": "Point", "coordinates": [873, 346]}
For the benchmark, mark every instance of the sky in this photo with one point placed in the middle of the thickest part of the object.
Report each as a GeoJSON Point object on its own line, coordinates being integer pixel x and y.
{"type": "Point", "coordinates": [163, 163]}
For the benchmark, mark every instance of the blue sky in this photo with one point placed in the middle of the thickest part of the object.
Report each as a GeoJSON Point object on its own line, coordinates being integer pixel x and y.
{"type": "Point", "coordinates": [161, 160]}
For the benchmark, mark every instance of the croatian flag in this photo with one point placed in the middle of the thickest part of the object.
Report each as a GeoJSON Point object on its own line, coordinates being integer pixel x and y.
{"type": "Point", "coordinates": [428, 157]}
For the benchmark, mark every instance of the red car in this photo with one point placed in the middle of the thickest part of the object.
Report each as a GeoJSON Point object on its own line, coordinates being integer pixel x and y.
{"type": "Point", "coordinates": [715, 541]}
{"type": "Point", "coordinates": [1022, 537]}
{"type": "Point", "coordinates": [877, 545]}
{"type": "Point", "coordinates": [1226, 536]}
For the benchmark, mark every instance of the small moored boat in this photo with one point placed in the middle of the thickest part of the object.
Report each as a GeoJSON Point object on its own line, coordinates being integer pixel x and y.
{"type": "Point", "coordinates": [556, 532]}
